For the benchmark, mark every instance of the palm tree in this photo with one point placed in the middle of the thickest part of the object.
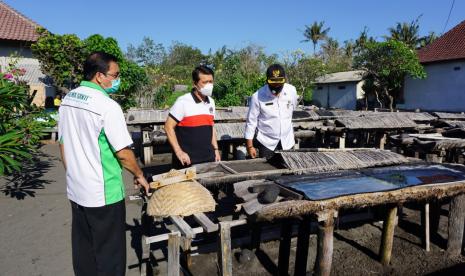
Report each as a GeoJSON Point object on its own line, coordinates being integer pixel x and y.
{"type": "Point", "coordinates": [406, 32]}
{"type": "Point", "coordinates": [315, 33]}
{"type": "Point", "coordinates": [427, 39]}
{"type": "Point", "coordinates": [362, 40]}
{"type": "Point", "coordinates": [330, 48]}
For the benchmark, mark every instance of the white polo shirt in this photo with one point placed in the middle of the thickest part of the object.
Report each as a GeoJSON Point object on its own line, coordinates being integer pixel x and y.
{"type": "Point", "coordinates": [92, 129]}
{"type": "Point", "coordinates": [271, 117]}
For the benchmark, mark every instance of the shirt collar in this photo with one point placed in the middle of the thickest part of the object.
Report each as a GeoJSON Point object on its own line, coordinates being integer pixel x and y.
{"type": "Point", "coordinates": [94, 86]}
{"type": "Point", "coordinates": [197, 100]}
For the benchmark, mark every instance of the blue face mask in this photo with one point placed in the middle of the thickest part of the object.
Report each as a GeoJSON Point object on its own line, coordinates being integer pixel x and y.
{"type": "Point", "coordinates": [115, 84]}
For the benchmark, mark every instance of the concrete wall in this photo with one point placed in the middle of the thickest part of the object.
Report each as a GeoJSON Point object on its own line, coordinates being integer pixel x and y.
{"type": "Point", "coordinates": [442, 90]}
{"type": "Point", "coordinates": [340, 95]}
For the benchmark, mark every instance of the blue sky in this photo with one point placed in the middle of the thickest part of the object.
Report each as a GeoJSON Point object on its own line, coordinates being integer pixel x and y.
{"type": "Point", "coordinates": [276, 25]}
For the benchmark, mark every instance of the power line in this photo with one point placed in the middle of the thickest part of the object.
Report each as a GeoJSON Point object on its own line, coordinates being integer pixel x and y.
{"type": "Point", "coordinates": [450, 11]}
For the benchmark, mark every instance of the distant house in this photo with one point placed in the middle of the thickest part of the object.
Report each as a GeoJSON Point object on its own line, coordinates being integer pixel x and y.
{"type": "Point", "coordinates": [339, 90]}
{"type": "Point", "coordinates": [17, 33]}
{"type": "Point", "coordinates": [444, 87]}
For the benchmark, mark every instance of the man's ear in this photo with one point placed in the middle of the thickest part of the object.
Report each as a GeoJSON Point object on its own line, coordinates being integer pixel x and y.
{"type": "Point", "coordinates": [99, 77]}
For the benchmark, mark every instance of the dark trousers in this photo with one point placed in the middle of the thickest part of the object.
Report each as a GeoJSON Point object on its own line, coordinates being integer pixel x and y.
{"type": "Point", "coordinates": [264, 152]}
{"type": "Point", "coordinates": [99, 239]}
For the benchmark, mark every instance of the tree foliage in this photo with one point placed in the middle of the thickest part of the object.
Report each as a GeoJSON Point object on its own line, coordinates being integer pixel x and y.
{"type": "Point", "coordinates": [386, 65]}
{"type": "Point", "coordinates": [62, 57]}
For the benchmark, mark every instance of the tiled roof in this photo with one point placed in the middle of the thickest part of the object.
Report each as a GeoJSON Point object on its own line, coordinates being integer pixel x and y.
{"type": "Point", "coordinates": [15, 26]}
{"type": "Point", "coordinates": [450, 46]}
{"type": "Point", "coordinates": [349, 76]}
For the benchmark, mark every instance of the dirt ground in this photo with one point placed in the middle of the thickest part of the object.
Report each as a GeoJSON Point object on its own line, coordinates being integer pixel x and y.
{"type": "Point", "coordinates": [35, 236]}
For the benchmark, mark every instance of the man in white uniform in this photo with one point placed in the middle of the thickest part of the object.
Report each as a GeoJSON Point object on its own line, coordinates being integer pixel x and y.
{"type": "Point", "coordinates": [94, 144]}
{"type": "Point", "coordinates": [269, 119]}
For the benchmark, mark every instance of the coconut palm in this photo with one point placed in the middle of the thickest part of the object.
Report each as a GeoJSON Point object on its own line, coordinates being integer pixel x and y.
{"type": "Point", "coordinates": [427, 39]}
{"type": "Point", "coordinates": [408, 33]}
{"type": "Point", "coordinates": [315, 33]}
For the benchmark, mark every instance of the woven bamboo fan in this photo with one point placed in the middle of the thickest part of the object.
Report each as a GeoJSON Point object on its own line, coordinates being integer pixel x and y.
{"type": "Point", "coordinates": [182, 199]}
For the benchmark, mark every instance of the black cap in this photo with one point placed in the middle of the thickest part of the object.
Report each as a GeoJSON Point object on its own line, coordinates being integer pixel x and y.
{"type": "Point", "coordinates": [275, 74]}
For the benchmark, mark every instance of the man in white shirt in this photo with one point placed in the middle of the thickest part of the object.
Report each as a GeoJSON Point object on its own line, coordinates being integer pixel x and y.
{"type": "Point", "coordinates": [94, 145]}
{"type": "Point", "coordinates": [269, 119]}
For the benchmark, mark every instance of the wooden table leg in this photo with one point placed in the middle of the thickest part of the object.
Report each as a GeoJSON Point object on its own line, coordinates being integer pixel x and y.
{"type": "Point", "coordinates": [285, 247]}
{"type": "Point", "coordinates": [456, 225]}
{"type": "Point", "coordinates": [174, 240]}
{"type": "Point", "coordinates": [224, 252]}
{"type": "Point", "coordinates": [148, 150]}
{"type": "Point", "coordinates": [427, 227]}
{"type": "Point", "coordinates": [325, 247]}
{"type": "Point", "coordinates": [388, 236]}
{"type": "Point", "coordinates": [303, 241]}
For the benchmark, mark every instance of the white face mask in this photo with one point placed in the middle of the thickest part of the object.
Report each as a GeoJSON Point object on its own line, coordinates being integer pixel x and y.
{"type": "Point", "coordinates": [207, 89]}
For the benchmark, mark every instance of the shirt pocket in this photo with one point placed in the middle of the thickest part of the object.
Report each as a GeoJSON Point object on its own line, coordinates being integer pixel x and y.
{"type": "Point", "coordinates": [269, 109]}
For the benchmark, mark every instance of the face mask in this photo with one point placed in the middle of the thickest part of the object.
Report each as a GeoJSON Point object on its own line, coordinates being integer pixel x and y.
{"type": "Point", "coordinates": [276, 90]}
{"type": "Point", "coordinates": [207, 89]}
{"type": "Point", "coordinates": [115, 84]}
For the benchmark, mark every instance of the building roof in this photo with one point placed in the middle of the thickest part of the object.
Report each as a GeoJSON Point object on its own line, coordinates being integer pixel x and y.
{"type": "Point", "coordinates": [15, 26]}
{"type": "Point", "coordinates": [349, 76]}
{"type": "Point", "coordinates": [33, 74]}
{"type": "Point", "coordinates": [450, 46]}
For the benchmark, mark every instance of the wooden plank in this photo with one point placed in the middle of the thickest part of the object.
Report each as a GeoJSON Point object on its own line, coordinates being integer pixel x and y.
{"type": "Point", "coordinates": [284, 247]}
{"type": "Point", "coordinates": [224, 252]}
{"type": "Point", "coordinates": [388, 236]}
{"type": "Point", "coordinates": [228, 169]}
{"type": "Point", "coordinates": [456, 225]}
{"type": "Point", "coordinates": [183, 227]}
{"type": "Point", "coordinates": [189, 174]}
{"type": "Point", "coordinates": [303, 241]}
{"type": "Point", "coordinates": [325, 246]}
{"type": "Point", "coordinates": [174, 240]}
{"type": "Point", "coordinates": [207, 225]}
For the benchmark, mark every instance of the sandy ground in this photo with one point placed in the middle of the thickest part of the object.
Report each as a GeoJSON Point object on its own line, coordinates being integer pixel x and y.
{"type": "Point", "coordinates": [35, 236]}
{"type": "Point", "coordinates": [35, 222]}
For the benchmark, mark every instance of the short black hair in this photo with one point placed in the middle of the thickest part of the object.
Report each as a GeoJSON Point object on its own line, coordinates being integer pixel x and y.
{"type": "Point", "coordinates": [97, 62]}
{"type": "Point", "coordinates": [201, 69]}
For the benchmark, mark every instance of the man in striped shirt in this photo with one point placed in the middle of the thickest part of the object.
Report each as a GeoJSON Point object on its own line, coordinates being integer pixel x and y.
{"type": "Point", "coordinates": [189, 126]}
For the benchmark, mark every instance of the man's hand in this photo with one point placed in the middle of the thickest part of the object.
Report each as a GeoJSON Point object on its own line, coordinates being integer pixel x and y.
{"type": "Point", "coordinates": [183, 157]}
{"type": "Point", "coordinates": [140, 181]}
{"type": "Point", "coordinates": [217, 156]}
{"type": "Point", "coordinates": [252, 152]}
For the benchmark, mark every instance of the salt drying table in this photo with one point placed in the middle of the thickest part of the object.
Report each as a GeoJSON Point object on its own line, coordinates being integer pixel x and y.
{"type": "Point", "coordinates": [325, 195]}
{"type": "Point", "coordinates": [436, 147]}
{"type": "Point", "coordinates": [229, 120]}
{"type": "Point", "coordinates": [295, 162]}
{"type": "Point", "coordinates": [392, 184]}
{"type": "Point", "coordinates": [225, 174]}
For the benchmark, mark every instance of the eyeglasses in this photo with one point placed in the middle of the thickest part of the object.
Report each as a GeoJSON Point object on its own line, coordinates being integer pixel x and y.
{"type": "Point", "coordinates": [115, 76]}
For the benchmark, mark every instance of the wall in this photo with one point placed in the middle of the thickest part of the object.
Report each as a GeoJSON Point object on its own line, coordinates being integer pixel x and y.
{"type": "Point", "coordinates": [8, 47]}
{"type": "Point", "coordinates": [345, 98]}
{"type": "Point", "coordinates": [442, 90]}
